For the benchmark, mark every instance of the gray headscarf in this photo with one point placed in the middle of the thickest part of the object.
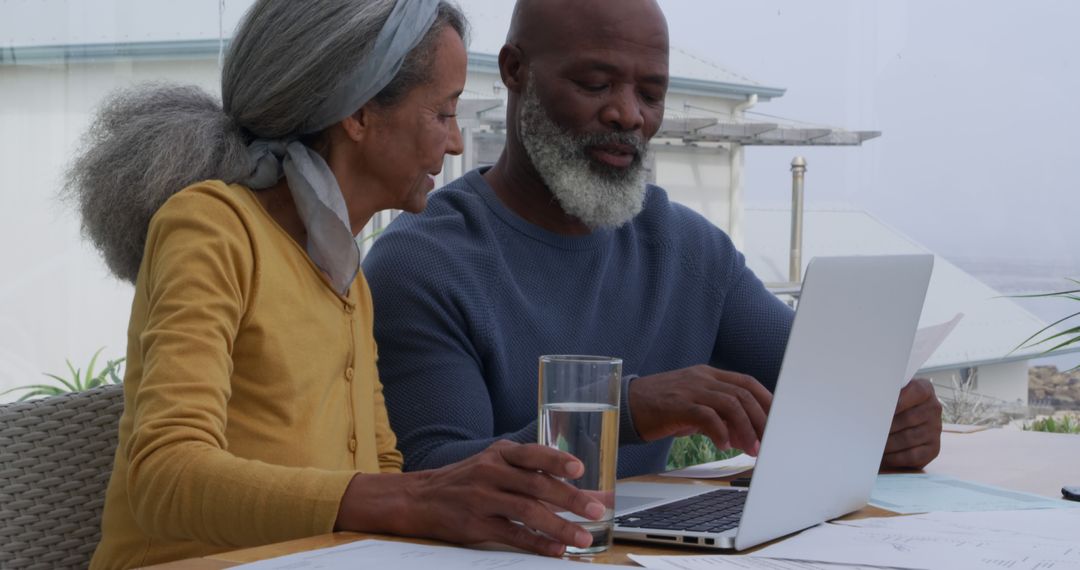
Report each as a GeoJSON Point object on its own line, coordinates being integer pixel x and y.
{"type": "Point", "coordinates": [319, 202]}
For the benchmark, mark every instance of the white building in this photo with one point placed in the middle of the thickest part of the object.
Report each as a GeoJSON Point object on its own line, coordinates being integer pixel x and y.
{"type": "Point", "coordinates": [59, 58]}
{"type": "Point", "coordinates": [980, 348]}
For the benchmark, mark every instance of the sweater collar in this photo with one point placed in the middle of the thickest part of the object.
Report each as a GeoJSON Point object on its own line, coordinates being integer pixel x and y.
{"type": "Point", "coordinates": [475, 180]}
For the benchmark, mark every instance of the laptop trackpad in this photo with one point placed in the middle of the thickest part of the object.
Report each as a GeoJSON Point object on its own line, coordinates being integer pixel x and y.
{"type": "Point", "coordinates": [623, 504]}
{"type": "Point", "coordinates": [634, 496]}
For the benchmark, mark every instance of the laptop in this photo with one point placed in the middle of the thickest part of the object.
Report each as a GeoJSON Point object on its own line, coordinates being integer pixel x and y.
{"type": "Point", "coordinates": [833, 404]}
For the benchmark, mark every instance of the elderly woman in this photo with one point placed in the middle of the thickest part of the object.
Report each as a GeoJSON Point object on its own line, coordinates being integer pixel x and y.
{"type": "Point", "coordinates": [254, 413]}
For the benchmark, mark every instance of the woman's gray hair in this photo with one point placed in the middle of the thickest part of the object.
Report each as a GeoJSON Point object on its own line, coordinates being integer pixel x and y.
{"type": "Point", "coordinates": [151, 141]}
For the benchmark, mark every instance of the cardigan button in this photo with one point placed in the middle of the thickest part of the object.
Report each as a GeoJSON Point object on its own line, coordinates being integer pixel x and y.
{"type": "Point", "coordinates": [349, 374]}
{"type": "Point", "coordinates": [352, 444]}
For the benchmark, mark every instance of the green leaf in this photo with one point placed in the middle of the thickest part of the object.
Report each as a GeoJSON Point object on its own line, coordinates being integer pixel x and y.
{"type": "Point", "coordinates": [694, 450]}
{"type": "Point", "coordinates": [372, 235]}
{"type": "Point", "coordinates": [1074, 330]}
{"type": "Point", "coordinates": [76, 378]}
{"type": "Point", "coordinates": [1042, 330]}
{"type": "Point", "coordinates": [78, 381]}
{"type": "Point", "coordinates": [68, 385]}
{"type": "Point", "coordinates": [90, 367]}
{"type": "Point", "coordinates": [1066, 424]}
{"type": "Point", "coordinates": [15, 389]}
{"type": "Point", "coordinates": [37, 393]}
{"type": "Point", "coordinates": [34, 391]}
{"type": "Point", "coordinates": [1073, 340]}
{"type": "Point", "coordinates": [1039, 295]}
{"type": "Point", "coordinates": [110, 373]}
{"type": "Point", "coordinates": [114, 371]}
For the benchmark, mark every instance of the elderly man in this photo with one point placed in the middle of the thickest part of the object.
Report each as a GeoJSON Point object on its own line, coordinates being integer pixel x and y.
{"type": "Point", "coordinates": [561, 247]}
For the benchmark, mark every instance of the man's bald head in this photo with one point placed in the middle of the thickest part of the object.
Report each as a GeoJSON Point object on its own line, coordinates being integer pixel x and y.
{"type": "Point", "coordinates": [539, 26]}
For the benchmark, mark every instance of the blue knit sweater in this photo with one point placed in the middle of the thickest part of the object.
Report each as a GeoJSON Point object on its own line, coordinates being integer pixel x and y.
{"type": "Point", "coordinates": [468, 295]}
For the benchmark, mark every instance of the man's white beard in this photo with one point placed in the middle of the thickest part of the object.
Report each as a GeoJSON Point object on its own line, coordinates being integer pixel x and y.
{"type": "Point", "coordinates": [600, 196]}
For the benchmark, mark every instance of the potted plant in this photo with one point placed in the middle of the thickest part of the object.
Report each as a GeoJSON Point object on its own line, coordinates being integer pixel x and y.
{"type": "Point", "coordinates": [1061, 339]}
{"type": "Point", "coordinates": [77, 382]}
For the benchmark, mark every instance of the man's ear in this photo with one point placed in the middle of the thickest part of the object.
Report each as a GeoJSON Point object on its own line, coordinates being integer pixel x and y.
{"type": "Point", "coordinates": [512, 67]}
{"type": "Point", "coordinates": [358, 124]}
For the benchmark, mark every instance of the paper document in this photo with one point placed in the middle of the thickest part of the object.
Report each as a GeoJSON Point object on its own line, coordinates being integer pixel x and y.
{"type": "Point", "coordinates": [404, 556]}
{"type": "Point", "coordinates": [923, 493]}
{"type": "Point", "coordinates": [844, 544]}
{"type": "Point", "coordinates": [962, 428]}
{"type": "Point", "coordinates": [1051, 524]}
{"type": "Point", "coordinates": [716, 469]}
{"type": "Point", "coordinates": [723, 561]}
{"type": "Point", "coordinates": [927, 341]}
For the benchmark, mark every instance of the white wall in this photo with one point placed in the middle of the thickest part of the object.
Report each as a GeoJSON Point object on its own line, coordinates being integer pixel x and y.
{"type": "Point", "coordinates": [57, 301]}
{"type": "Point", "coordinates": [699, 179]}
{"type": "Point", "coordinates": [1008, 381]}
{"type": "Point", "coordinates": [1005, 383]}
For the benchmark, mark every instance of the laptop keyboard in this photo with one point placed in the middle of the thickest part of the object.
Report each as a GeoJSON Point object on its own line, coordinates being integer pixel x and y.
{"type": "Point", "coordinates": [715, 511]}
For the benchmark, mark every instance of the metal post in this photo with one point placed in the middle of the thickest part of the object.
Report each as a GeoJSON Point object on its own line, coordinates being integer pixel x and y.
{"type": "Point", "coordinates": [798, 175]}
{"type": "Point", "coordinates": [735, 198]}
{"type": "Point", "coordinates": [468, 153]}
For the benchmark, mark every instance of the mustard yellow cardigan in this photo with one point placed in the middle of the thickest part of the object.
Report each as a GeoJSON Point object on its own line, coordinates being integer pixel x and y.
{"type": "Point", "coordinates": [251, 393]}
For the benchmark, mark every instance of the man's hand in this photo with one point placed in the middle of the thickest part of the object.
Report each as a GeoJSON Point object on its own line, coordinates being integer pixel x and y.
{"type": "Point", "coordinates": [728, 407]}
{"type": "Point", "coordinates": [915, 435]}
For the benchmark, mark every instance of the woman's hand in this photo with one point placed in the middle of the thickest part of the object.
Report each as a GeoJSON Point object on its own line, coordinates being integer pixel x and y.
{"type": "Point", "coordinates": [478, 500]}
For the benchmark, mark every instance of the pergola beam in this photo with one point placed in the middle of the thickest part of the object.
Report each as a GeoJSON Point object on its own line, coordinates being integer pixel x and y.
{"type": "Point", "coordinates": [684, 129]}
{"type": "Point", "coordinates": [470, 112]}
{"type": "Point", "coordinates": [689, 130]}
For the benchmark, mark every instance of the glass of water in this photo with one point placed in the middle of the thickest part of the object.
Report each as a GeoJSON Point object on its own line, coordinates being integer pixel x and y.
{"type": "Point", "coordinates": [579, 414]}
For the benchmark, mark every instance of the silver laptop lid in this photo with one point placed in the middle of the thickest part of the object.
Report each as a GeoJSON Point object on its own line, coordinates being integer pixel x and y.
{"type": "Point", "coordinates": [836, 393]}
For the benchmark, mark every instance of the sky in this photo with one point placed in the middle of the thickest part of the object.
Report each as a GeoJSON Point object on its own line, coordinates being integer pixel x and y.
{"type": "Point", "coordinates": [976, 100]}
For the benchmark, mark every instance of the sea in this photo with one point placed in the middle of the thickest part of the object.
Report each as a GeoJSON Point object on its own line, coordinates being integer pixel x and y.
{"type": "Point", "coordinates": [1028, 277]}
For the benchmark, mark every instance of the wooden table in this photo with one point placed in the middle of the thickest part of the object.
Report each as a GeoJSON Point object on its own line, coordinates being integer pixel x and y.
{"type": "Point", "coordinates": [1034, 462]}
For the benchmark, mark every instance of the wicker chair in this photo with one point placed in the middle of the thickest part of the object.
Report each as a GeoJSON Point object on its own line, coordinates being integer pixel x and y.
{"type": "Point", "coordinates": [55, 458]}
